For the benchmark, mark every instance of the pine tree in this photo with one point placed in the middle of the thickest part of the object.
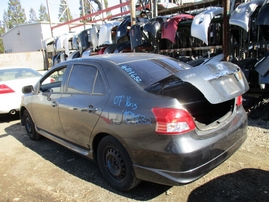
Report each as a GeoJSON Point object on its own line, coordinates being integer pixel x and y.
{"type": "Point", "coordinates": [106, 6]}
{"type": "Point", "coordinates": [2, 49]}
{"type": "Point", "coordinates": [5, 21]}
{"type": "Point", "coordinates": [2, 31]}
{"type": "Point", "coordinates": [15, 14]}
{"type": "Point", "coordinates": [43, 14]}
{"type": "Point", "coordinates": [64, 12]}
{"type": "Point", "coordinates": [32, 16]}
{"type": "Point", "coordinates": [88, 7]}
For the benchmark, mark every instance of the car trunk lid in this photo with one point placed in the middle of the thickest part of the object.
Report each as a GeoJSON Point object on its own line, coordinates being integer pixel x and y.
{"type": "Point", "coordinates": [218, 82]}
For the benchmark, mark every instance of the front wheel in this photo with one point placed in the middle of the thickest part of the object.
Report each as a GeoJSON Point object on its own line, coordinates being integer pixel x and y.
{"type": "Point", "coordinates": [115, 164]}
{"type": "Point", "coordinates": [30, 126]}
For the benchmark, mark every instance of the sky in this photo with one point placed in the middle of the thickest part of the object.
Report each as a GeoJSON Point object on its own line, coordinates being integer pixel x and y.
{"type": "Point", "coordinates": [53, 7]}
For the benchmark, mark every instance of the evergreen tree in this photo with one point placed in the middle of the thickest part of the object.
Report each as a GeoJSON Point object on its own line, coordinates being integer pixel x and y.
{"type": "Point", "coordinates": [88, 8]}
{"type": "Point", "coordinates": [15, 14]}
{"type": "Point", "coordinates": [64, 12]}
{"type": "Point", "coordinates": [106, 6]}
{"type": "Point", "coordinates": [106, 3]}
{"type": "Point", "coordinates": [43, 14]}
{"type": "Point", "coordinates": [2, 31]}
{"type": "Point", "coordinates": [2, 49]}
{"type": "Point", "coordinates": [32, 16]}
{"type": "Point", "coordinates": [5, 21]}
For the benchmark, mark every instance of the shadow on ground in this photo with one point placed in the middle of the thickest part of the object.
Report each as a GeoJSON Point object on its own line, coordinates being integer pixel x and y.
{"type": "Point", "coordinates": [79, 166]}
{"type": "Point", "coordinates": [6, 118]}
{"type": "Point", "coordinates": [246, 185]}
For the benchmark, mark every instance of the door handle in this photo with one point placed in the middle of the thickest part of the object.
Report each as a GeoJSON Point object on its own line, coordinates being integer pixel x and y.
{"type": "Point", "coordinates": [90, 109]}
{"type": "Point", "coordinates": [54, 104]}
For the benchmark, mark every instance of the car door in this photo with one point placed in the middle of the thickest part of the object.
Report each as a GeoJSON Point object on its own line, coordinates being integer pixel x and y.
{"type": "Point", "coordinates": [82, 103]}
{"type": "Point", "coordinates": [45, 103]}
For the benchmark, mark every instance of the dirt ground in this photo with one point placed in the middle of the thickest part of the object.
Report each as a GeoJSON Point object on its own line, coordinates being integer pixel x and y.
{"type": "Point", "coordinates": [46, 171]}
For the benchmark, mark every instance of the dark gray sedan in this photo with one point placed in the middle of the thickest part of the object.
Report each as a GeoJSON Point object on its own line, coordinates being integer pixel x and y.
{"type": "Point", "coordinates": [141, 116]}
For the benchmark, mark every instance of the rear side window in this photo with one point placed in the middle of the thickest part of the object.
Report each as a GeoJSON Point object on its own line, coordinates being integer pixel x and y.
{"type": "Point", "coordinates": [85, 79]}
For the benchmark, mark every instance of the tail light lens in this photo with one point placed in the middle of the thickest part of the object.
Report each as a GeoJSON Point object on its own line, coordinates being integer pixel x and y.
{"type": "Point", "coordinates": [5, 89]}
{"type": "Point", "coordinates": [239, 100]}
{"type": "Point", "coordinates": [173, 121]}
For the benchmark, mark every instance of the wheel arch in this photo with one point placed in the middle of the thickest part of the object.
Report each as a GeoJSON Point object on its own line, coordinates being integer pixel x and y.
{"type": "Point", "coordinates": [22, 109]}
{"type": "Point", "coordinates": [97, 139]}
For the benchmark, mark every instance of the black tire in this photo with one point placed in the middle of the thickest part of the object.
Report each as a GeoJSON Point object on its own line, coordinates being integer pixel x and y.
{"type": "Point", "coordinates": [115, 164]}
{"type": "Point", "coordinates": [30, 126]}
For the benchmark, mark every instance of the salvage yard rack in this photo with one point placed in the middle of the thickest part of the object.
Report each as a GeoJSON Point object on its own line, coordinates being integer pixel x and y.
{"type": "Point", "coordinates": [242, 47]}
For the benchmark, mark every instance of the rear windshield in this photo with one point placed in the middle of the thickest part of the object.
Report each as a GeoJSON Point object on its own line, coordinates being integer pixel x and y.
{"type": "Point", "coordinates": [147, 72]}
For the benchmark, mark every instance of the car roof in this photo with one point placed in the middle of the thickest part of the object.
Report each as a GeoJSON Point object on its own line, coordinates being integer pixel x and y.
{"type": "Point", "coordinates": [121, 58]}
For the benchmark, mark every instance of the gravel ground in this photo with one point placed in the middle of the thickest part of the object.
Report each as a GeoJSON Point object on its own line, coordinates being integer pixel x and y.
{"type": "Point", "coordinates": [46, 171]}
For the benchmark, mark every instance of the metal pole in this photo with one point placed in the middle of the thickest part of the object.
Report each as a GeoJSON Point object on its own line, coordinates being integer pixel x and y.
{"type": "Point", "coordinates": [133, 16]}
{"type": "Point", "coordinates": [155, 8]}
{"type": "Point", "coordinates": [83, 12]}
{"type": "Point", "coordinates": [226, 33]}
{"type": "Point", "coordinates": [49, 17]}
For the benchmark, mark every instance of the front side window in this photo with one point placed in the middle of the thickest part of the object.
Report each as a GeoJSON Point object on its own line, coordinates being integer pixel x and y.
{"type": "Point", "coordinates": [53, 82]}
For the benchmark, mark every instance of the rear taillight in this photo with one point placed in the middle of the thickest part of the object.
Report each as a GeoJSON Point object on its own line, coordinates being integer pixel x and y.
{"type": "Point", "coordinates": [239, 100]}
{"type": "Point", "coordinates": [173, 121]}
{"type": "Point", "coordinates": [5, 89]}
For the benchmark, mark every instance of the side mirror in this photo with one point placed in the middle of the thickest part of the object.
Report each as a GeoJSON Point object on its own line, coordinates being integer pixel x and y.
{"type": "Point", "coordinates": [27, 89]}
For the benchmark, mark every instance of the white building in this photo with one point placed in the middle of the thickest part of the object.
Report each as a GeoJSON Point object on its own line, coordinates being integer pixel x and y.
{"type": "Point", "coordinates": [31, 37]}
{"type": "Point", "coordinates": [33, 44]}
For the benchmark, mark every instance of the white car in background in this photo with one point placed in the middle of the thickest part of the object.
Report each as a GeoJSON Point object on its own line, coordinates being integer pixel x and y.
{"type": "Point", "coordinates": [12, 79]}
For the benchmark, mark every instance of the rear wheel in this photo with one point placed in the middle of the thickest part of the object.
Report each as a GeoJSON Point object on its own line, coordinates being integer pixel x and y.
{"type": "Point", "coordinates": [115, 164]}
{"type": "Point", "coordinates": [30, 126]}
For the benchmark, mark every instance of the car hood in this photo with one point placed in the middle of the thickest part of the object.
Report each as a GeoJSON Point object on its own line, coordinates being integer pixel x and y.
{"type": "Point", "coordinates": [154, 25]}
{"type": "Point", "coordinates": [94, 37]}
{"type": "Point", "coordinates": [136, 35]}
{"type": "Point", "coordinates": [201, 22]}
{"type": "Point", "coordinates": [240, 16]}
{"type": "Point", "coordinates": [62, 43]}
{"type": "Point", "coordinates": [218, 82]}
{"type": "Point", "coordinates": [122, 30]}
{"type": "Point", "coordinates": [263, 17]}
{"type": "Point", "coordinates": [105, 37]}
{"type": "Point", "coordinates": [262, 66]}
{"type": "Point", "coordinates": [171, 25]}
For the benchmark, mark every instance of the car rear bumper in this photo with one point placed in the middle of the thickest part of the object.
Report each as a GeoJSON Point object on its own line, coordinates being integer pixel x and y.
{"type": "Point", "coordinates": [190, 164]}
{"type": "Point", "coordinates": [9, 104]}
